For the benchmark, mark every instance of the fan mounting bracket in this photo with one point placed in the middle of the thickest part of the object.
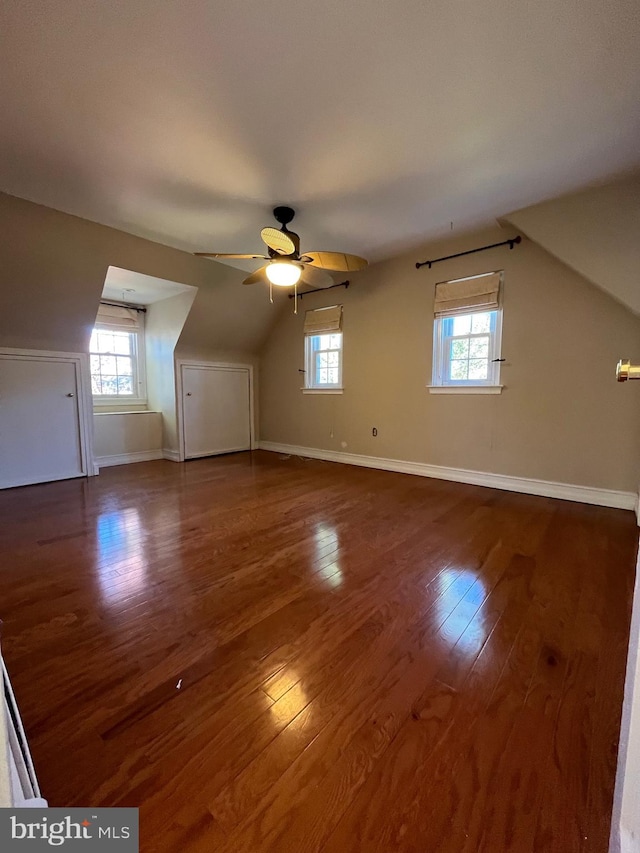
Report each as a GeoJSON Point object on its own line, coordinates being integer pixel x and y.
{"type": "Point", "coordinates": [284, 215]}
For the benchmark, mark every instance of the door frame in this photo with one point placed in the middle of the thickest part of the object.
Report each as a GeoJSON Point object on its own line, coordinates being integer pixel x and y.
{"type": "Point", "coordinates": [210, 365]}
{"type": "Point", "coordinates": [80, 361]}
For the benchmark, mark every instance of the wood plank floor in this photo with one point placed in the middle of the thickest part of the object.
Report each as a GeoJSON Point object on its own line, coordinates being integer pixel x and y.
{"type": "Point", "coordinates": [270, 654]}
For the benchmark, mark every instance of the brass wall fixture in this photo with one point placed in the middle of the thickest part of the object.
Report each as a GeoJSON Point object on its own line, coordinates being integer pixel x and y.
{"type": "Point", "coordinates": [625, 370]}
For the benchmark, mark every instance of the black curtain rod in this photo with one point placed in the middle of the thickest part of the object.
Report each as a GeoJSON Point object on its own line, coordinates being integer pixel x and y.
{"type": "Point", "coordinates": [344, 284]}
{"type": "Point", "coordinates": [509, 243]}
{"type": "Point", "coordinates": [124, 305]}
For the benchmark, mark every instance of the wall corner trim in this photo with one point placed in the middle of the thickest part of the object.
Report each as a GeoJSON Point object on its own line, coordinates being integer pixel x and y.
{"type": "Point", "coordinates": [170, 455]}
{"type": "Point", "coordinates": [543, 488]}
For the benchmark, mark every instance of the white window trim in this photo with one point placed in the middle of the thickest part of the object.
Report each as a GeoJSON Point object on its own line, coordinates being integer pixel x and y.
{"type": "Point", "coordinates": [308, 365]}
{"type": "Point", "coordinates": [465, 389]}
{"type": "Point", "coordinates": [140, 372]}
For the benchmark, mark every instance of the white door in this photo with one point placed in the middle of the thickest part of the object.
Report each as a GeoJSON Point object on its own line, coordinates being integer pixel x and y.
{"type": "Point", "coordinates": [39, 421]}
{"type": "Point", "coordinates": [216, 409]}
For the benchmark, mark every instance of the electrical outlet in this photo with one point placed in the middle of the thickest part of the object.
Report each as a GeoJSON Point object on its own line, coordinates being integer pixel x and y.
{"type": "Point", "coordinates": [374, 431]}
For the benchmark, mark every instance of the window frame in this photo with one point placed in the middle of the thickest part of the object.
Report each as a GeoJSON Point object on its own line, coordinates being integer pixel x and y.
{"type": "Point", "coordinates": [138, 368]}
{"type": "Point", "coordinates": [310, 357]}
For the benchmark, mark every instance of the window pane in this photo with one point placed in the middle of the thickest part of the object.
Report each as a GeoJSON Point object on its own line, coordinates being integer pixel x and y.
{"type": "Point", "coordinates": [322, 376]}
{"type": "Point", "coordinates": [459, 370]}
{"type": "Point", "coordinates": [109, 384]}
{"type": "Point", "coordinates": [333, 375]}
{"type": "Point", "coordinates": [125, 365]}
{"type": "Point", "coordinates": [479, 348]}
{"type": "Point", "coordinates": [325, 341]}
{"type": "Point", "coordinates": [95, 364]}
{"type": "Point", "coordinates": [122, 343]}
{"type": "Point", "coordinates": [462, 325]}
{"type": "Point", "coordinates": [481, 322]}
{"type": "Point", "coordinates": [105, 342]}
{"type": "Point", "coordinates": [460, 348]}
{"type": "Point", "coordinates": [478, 368]}
{"type": "Point", "coordinates": [332, 359]}
{"type": "Point", "coordinates": [108, 364]}
{"type": "Point", "coordinates": [96, 385]}
{"type": "Point", "coordinates": [93, 343]}
{"type": "Point", "coordinates": [335, 341]}
{"type": "Point", "coordinates": [125, 385]}
{"type": "Point", "coordinates": [322, 359]}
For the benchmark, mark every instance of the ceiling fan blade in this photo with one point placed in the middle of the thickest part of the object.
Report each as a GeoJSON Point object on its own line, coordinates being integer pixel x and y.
{"type": "Point", "coordinates": [315, 278]}
{"type": "Point", "coordinates": [278, 241]}
{"type": "Point", "coordinates": [337, 261]}
{"type": "Point", "coordinates": [227, 255]}
{"type": "Point", "coordinates": [257, 277]}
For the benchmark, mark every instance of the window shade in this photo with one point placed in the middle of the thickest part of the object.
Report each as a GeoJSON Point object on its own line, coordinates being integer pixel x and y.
{"type": "Point", "coordinates": [323, 320]}
{"type": "Point", "coordinates": [117, 316]}
{"type": "Point", "coordinates": [467, 294]}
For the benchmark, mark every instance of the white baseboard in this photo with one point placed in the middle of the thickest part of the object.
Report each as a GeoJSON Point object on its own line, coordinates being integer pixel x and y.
{"type": "Point", "coordinates": [127, 458]}
{"type": "Point", "coordinates": [544, 488]}
{"type": "Point", "coordinates": [171, 455]}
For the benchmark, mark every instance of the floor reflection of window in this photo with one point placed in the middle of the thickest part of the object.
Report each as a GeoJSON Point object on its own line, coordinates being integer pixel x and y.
{"type": "Point", "coordinates": [327, 547]}
{"type": "Point", "coordinates": [122, 560]}
{"type": "Point", "coordinates": [463, 626]}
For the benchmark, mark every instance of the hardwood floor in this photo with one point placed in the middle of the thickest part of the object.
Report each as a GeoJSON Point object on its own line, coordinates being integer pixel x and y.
{"type": "Point", "coordinates": [265, 653]}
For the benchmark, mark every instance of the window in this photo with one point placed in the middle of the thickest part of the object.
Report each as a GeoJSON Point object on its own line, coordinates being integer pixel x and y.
{"type": "Point", "coordinates": [323, 349]}
{"type": "Point", "coordinates": [324, 361]}
{"type": "Point", "coordinates": [467, 332]}
{"type": "Point", "coordinates": [116, 355]}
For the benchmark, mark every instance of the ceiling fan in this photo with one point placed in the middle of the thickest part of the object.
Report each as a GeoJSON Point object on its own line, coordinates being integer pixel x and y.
{"type": "Point", "coordinates": [286, 265]}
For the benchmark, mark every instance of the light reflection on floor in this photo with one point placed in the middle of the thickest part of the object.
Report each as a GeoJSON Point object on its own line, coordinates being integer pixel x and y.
{"type": "Point", "coordinates": [461, 593]}
{"type": "Point", "coordinates": [327, 547]}
{"type": "Point", "coordinates": [122, 563]}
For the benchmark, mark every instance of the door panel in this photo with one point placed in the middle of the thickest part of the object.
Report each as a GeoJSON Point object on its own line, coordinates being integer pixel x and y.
{"type": "Point", "coordinates": [39, 421]}
{"type": "Point", "coordinates": [216, 410]}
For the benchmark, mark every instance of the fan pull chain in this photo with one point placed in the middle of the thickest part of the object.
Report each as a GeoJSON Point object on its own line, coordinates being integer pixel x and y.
{"type": "Point", "coordinates": [295, 298]}
{"type": "Point", "coordinates": [271, 292]}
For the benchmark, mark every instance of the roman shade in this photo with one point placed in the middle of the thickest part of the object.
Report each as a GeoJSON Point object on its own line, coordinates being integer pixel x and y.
{"type": "Point", "coordinates": [117, 316]}
{"type": "Point", "coordinates": [480, 293]}
{"type": "Point", "coordinates": [323, 320]}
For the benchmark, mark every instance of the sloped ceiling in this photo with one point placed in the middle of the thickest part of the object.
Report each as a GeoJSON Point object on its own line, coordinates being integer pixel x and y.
{"type": "Point", "coordinates": [53, 268]}
{"type": "Point", "coordinates": [596, 232]}
{"type": "Point", "coordinates": [381, 122]}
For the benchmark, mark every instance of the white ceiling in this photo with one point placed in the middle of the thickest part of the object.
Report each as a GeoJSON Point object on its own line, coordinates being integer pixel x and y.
{"type": "Point", "coordinates": [138, 288]}
{"type": "Point", "coordinates": [379, 121]}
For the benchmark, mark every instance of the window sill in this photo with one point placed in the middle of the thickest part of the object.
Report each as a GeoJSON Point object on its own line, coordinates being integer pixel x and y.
{"type": "Point", "coordinates": [465, 389]}
{"type": "Point", "coordinates": [128, 412]}
{"type": "Point", "coordinates": [322, 390]}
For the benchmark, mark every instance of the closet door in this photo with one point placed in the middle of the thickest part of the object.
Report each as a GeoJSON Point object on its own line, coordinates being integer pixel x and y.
{"type": "Point", "coordinates": [40, 437]}
{"type": "Point", "coordinates": [216, 410]}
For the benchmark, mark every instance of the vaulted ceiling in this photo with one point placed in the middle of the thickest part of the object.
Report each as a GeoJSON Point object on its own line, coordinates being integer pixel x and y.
{"type": "Point", "coordinates": [381, 122]}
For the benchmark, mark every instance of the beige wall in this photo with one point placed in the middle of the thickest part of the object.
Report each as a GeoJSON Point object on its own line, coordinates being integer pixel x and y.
{"type": "Point", "coordinates": [561, 417]}
{"type": "Point", "coordinates": [116, 434]}
{"type": "Point", "coordinates": [164, 323]}
{"type": "Point", "coordinates": [596, 232]}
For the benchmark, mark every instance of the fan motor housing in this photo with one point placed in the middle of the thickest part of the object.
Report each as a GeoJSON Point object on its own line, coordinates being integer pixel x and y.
{"type": "Point", "coordinates": [284, 214]}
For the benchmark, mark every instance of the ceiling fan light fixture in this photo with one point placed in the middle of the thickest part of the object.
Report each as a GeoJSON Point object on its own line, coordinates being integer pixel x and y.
{"type": "Point", "coordinates": [283, 273]}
